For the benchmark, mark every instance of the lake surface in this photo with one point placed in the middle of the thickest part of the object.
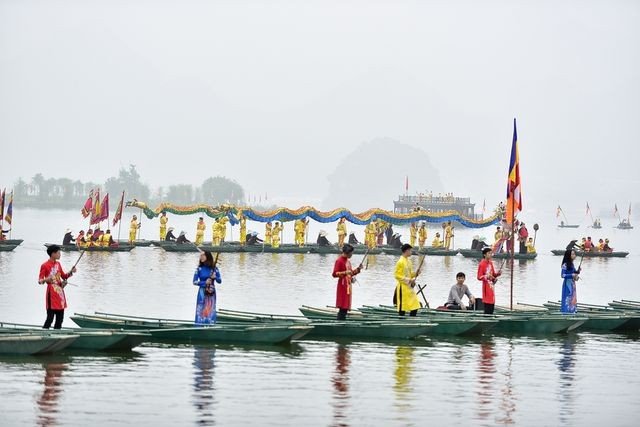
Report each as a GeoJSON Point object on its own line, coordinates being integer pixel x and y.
{"type": "Point", "coordinates": [576, 379]}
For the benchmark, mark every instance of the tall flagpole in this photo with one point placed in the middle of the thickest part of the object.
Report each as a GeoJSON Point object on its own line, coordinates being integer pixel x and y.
{"type": "Point", "coordinates": [513, 208]}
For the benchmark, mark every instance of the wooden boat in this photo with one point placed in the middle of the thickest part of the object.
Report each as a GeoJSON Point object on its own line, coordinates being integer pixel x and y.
{"type": "Point", "coordinates": [141, 242]}
{"type": "Point", "coordinates": [96, 340]}
{"type": "Point", "coordinates": [568, 225]}
{"type": "Point", "coordinates": [631, 321]}
{"type": "Point", "coordinates": [443, 325]}
{"type": "Point", "coordinates": [472, 253]}
{"type": "Point", "coordinates": [593, 254]}
{"type": "Point", "coordinates": [34, 343]}
{"type": "Point", "coordinates": [624, 226]}
{"type": "Point", "coordinates": [12, 242]}
{"type": "Point", "coordinates": [74, 248]}
{"type": "Point", "coordinates": [185, 331]}
{"type": "Point", "coordinates": [7, 248]}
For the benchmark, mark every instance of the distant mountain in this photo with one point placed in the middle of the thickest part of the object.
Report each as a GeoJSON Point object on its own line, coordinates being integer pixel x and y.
{"type": "Point", "coordinates": [374, 174]}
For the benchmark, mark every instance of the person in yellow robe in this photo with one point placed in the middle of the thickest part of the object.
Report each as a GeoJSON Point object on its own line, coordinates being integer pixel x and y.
{"type": "Point", "coordinates": [531, 249]}
{"type": "Point", "coordinates": [105, 239]}
{"type": "Point", "coordinates": [217, 233]}
{"type": "Point", "coordinates": [370, 232]}
{"type": "Point", "coordinates": [498, 235]}
{"type": "Point", "coordinates": [406, 298]}
{"type": "Point", "coordinates": [200, 227]}
{"type": "Point", "coordinates": [268, 228]}
{"type": "Point", "coordinates": [422, 235]}
{"type": "Point", "coordinates": [133, 229]}
{"type": "Point", "coordinates": [300, 227]}
{"type": "Point", "coordinates": [223, 228]}
{"type": "Point", "coordinates": [413, 233]}
{"type": "Point", "coordinates": [341, 228]}
{"type": "Point", "coordinates": [436, 243]}
{"type": "Point", "coordinates": [275, 235]}
{"type": "Point", "coordinates": [243, 230]}
{"type": "Point", "coordinates": [163, 226]}
{"type": "Point", "coordinates": [448, 235]}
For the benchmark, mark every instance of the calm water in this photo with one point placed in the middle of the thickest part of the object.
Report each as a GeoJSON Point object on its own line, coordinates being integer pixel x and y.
{"type": "Point", "coordinates": [579, 379]}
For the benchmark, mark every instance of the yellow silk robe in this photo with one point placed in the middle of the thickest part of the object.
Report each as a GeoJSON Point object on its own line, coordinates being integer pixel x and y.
{"type": "Point", "coordinates": [267, 233]}
{"type": "Point", "coordinates": [243, 230]}
{"type": "Point", "coordinates": [405, 296]}
{"type": "Point", "coordinates": [163, 227]}
{"type": "Point", "coordinates": [200, 227]}
{"type": "Point", "coordinates": [275, 236]}
{"type": "Point", "coordinates": [422, 236]}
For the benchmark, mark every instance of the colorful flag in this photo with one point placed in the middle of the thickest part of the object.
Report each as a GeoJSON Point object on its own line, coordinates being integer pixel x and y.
{"type": "Point", "coordinates": [104, 209]}
{"type": "Point", "coordinates": [118, 215]}
{"type": "Point", "coordinates": [558, 211]}
{"type": "Point", "coordinates": [9, 215]}
{"type": "Point", "coordinates": [88, 205]}
{"type": "Point", "coordinates": [95, 212]}
{"type": "Point", "coordinates": [514, 196]}
{"type": "Point", "coordinates": [2, 196]}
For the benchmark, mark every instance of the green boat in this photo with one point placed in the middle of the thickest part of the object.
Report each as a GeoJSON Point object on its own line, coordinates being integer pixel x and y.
{"type": "Point", "coordinates": [632, 317]}
{"type": "Point", "coordinates": [618, 254]}
{"type": "Point", "coordinates": [538, 325]}
{"type": "Point", "coordinates": [370, 330]}
{"type": "Point", "coordinates": [141, 242]}
{"type": "Point", "coordinates": [34, 343]}
{"type": "Point", "coordinates": [445, 325]}
{"type": "Point", "coordinates": [472, 253]}
{"type": "Point", "coordinates": [186, 331]}
{"type": "Point", "coordinates": [12, 242]}
{"type": "Point", "coordinates": [74, 248]}
{"type": "Point", "coordinates": [96, 340]}
{"type": "Point", "coordinates": [7, 248]}
{"type": "Point", "coordinates": [598, 321]}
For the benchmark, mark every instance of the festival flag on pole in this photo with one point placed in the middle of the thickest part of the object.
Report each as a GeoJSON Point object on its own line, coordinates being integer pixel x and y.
{"type": "Point", "coordinates": [558, 211]}
{"type": "Point", "coordinates": [95, 212]}
{"type": "Point", "coordinates": [88, 205]}
{"type": "Point", "coordinates": [2, 204]}
{"type": "Point", "coordinates": [118, 216]}
{"type": "Point", "coordinates": [514, 196]}
{"type": "Point", "coordinates": [104, 209]}
{"type": "Point", "coordinates": [9, 216]}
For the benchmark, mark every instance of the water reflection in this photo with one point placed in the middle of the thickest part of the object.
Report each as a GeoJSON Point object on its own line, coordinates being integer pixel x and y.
{"type": "Point", "coordinates": [566, 366]}
{"type": "Point", "coordinates": [340, 382]}
{"type": "Point", "coordinates": [486, 378]}
{"type": "Point", "coordinates": [507, 402]}
{"type": "Point", "coordinates": [48, 400]}
{"type": "Point", "coordinates": [203, 384]}
{"type": "Point", "coordinates": [403, 374]}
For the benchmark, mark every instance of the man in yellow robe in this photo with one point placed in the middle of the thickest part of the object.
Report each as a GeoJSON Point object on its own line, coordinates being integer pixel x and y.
{"type": "Point", "coordinates": [133, 229]}
{"type": "Point", "coordinates": [413, 233]}
{"type": "Point", "coordinates": [243, 230]}
{"type": "Point", "coordinates": [370, 235]}
{"type": "Point", "coordinates": [498, 235]}
{"type": "Point", "coordinates": [268, 229]}
{"type": "Point", "coordinates": [275, 235]}
{"type": "Point", "coordinates": [531, 249]}
{"type": "Point", "coordinates": [342, 232]}
{"type": "Point", "coordinates": [422, 235]}
{"type": "Point", "coordinates": [223, 228]}
{"type": "Point", "coordinates": [406, 298]}
{"type": "Point", "coordinates": [448, 235]}
{"type": "Point", "coordinates": [200, 227]}
{"type": "Point", "coordinates": [163, 225]}
{"type": "Point", "coordinates": [300, 227]}
{"type": "Point", "coordinates": [217, 233]}
{"type": "Point", "coordinates": [436, 243]}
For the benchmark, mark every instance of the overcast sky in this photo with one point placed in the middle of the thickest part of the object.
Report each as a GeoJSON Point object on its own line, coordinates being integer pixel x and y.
{"type": "Point", "coordinates": [276, 93]}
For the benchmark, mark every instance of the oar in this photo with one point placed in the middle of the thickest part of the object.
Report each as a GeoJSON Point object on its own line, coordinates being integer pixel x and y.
{"type": "Point", "coordinates": [420, 288]}
{"type": "Point", "coordinates": [536, 227]}
{"type": "Point", "coordinates": [65, 283]}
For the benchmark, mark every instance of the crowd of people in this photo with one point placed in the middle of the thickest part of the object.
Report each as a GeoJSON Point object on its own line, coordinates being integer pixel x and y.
{"type": "Point", "coordinates": [589, 245]}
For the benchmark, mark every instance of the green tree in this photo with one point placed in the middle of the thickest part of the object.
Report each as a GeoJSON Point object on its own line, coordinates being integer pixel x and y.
{"type": "Point", "coordinates": [218, 190]}
{"type": "Point", "coordinates": [180, 194]}
{"type": "Point", "coordinates": [129, 181]}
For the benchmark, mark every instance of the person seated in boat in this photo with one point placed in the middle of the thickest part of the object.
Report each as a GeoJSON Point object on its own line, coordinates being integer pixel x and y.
{"type": "Point", "coordinates": [182, 238]}
{"type": "Point", "coordinates": [253, 239]}
{"type": "Point", "coordinates": [531, 249]}
{"type": "Point", "coordinates": [353, 240]}
{"type": "Point", "coordinates": [388, 234]}
{"type": "Point", "coordinates": [457, 292]}
{"type": "Point", "coordinates": [170, 237]}
{"type": "Point", "coordinates": [68, 238]}
{"type": "Point", "coordinates": [436, 243]}
{"type": "Point", "coordinates": [600, 246]}
{"type": "Point", "coordinates": [107, 239]}
{"type": "Point", "coordinates": [395, 241]}
{"type": "Point", "coordinates": [588, 245]}
{"type": "Point", "coordinates": [80, 242]}
{"type": "Point", "coordinates": [477, 244]}
{"type": "Point", "coordinates": [582, 243]}
{"type": "Point", "coordinates": [88, 239]}
{"type": "Point", "coordinates": [2, 234]}
{"type": "Point", "coordinates": [97, 235]}
{"type": "Point", "coordinates": [322, 239]}
{"type": "Point", "coordinates": [606, 247]}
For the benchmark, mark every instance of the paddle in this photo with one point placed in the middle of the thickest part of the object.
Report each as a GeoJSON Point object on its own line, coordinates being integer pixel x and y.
{"type": "Point", "coordinates": [64, 282]}
{"type": "Point", "coordinates": [420, 288]}
{"type": "Point", "coordinates": [536, 227]}
{"type": "Point", "coordinates": [364, 258]}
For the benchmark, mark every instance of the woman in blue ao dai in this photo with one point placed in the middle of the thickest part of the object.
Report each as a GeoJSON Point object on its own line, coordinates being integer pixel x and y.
{"type": "Point", "coordinates": [205, 277]}
{"type": "Point", "coordinates": [569, 301]}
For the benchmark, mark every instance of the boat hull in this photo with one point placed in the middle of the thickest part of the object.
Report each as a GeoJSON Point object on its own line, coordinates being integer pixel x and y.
{"type": "Point", "coordinates": [470, 253]}
{"type": "Point", "coordinates": [74, 248]}
{"type": "Point", "coordinates": [618, 254]}
{"type": "Point", "coordinates": [7, 248]}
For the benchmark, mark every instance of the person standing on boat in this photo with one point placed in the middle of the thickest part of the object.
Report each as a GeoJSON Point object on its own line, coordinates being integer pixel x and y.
{"type": "Point", "coordinates": [52, 274]}
{"type": "Point", "coordinates": [163, 226]}
{"type": "Point", "coordinates": [275, 235]}
{"type": "Point", "coordinates": [200, 227]}
{"type": "Point", "coordinates": [448, 235]}
{"type": "Point", "coordinates": [268, 228]}
{"type": "Point", "coordinates": [344, 272]}
{"type": "Point", "coordinates": [488, 276]}
{"type": "Point", "coordinates": [523, 235]}
{"type": "Point", "coordinates": [133, 230]}
{"type": "Point", "coordinates": [216, 238]}
{"type": "Point", "coordinates": [406, 298]}
{"type": "Point", "coordinates": [223, 228]}
{"type": "Point", "coordinates": [341, 228]}
{"type": "Point", "coordinates": [243, 229]}
{"type": "Point", "coordinates": [413, 233]}
{"type": "Point", "coordinates": [205, 277]}
{"type": "Point", "coordinates": [569, 302]}
{"type": "Point", "coordinates": [422, 235]}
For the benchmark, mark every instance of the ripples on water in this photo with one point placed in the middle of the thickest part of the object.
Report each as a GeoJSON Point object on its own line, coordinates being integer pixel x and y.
{"type": "Point", "coordinates": [578, 379]}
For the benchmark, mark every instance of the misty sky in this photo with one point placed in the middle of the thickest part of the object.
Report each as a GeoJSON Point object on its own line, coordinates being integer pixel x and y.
{"type": "Point", "coordinates": [276, 93]}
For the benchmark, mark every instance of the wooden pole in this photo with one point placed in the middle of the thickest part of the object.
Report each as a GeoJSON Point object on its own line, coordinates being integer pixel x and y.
{"type": "Point", "coordinates": [513, 209]}
{"type": "Point", "coordinates": [140, 223]}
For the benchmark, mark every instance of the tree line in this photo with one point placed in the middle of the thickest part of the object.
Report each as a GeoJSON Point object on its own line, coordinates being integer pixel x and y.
{"type": "Point", "coordinates": [44, 192]}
